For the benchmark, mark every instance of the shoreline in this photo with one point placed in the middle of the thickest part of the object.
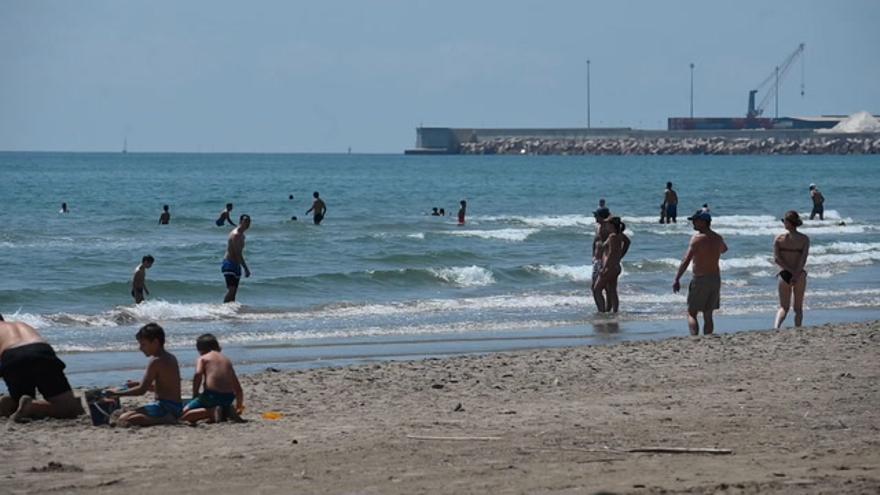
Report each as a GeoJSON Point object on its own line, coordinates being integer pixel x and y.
{"type": "Point", "coordinates": [798, 409]}
{"type": "Point", "coordinates": [113, 367]}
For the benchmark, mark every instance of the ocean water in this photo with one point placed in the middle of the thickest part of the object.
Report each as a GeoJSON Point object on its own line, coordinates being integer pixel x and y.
{"type": "Point", "coordinates": [381, 278]}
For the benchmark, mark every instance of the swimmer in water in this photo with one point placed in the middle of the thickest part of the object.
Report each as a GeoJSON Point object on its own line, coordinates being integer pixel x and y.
{"type": "Point", "coordinates": [139, 280]}
{"type": "Point", "coordinates": [318, 207]}
{"type": "Point", "coordinates": [165, 217]}
{"type": "Point", "coordinates": [225, 216]}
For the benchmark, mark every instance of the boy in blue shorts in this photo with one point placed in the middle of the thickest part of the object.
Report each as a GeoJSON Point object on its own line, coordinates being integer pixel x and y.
{"type": "Point", "coordinates": [221, 385]}
{"type": "Point", "coordinates": [162, 376]}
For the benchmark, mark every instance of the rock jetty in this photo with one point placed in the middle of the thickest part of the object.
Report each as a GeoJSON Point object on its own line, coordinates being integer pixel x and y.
{"type": "Point", "coordinates": [818, 145]}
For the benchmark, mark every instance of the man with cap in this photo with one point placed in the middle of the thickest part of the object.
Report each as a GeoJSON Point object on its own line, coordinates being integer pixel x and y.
{"type": "Point", "coordinates": [704, 291]}
{"type": "Point", "coordinates": [818, 203]}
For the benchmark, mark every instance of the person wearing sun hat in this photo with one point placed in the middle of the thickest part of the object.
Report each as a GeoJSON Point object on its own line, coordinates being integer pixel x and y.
{"type": "Point", "coordinates": [790, 251]}
{"type": "Point", "coordinates": [704, 290]}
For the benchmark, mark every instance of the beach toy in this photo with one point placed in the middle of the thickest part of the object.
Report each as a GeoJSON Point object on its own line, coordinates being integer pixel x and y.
{"type": "Point", "coordinates": [272, 415]}
{"type": "Point", "coordinates": [101, 406]}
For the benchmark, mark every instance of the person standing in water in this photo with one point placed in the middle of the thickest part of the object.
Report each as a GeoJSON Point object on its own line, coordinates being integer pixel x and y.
{"type": "Point", "coordinates": [225, 216]}
{"type": "Point", "coordinates": [318, 207]}
{"type": "Point", "coordinates": [818, 203]}
{"type": "Point", "coordinates": [790, 252]}
{"type": "Point", "coordinates": [165, 217]}
{"type": "Point", "coordinates": [670, 203]}
{"type": "Point", "coordinates": [601, 235]}
{"type": "Point", "coordinates": [139, 280]}
{"type": "Point", "coordinates": [704, 291]}
{"type": "Point", "coordinates": [462, 211]}
{"type": "Point", "coordinates": [233, 261]}
{"type": "Point", "coordinates": [613, 250]}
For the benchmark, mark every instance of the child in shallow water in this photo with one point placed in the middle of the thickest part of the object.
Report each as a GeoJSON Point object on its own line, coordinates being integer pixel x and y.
{"type": "Point", "coordinates": [221, 385]}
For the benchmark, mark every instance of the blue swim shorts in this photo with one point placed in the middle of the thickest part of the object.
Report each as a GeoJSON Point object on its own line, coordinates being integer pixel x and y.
{"type": "Point", "coordinates": [162, 407]}
{"type": "Point", "coordinates": [209, 399]}
{"type": "Point", "coordinates": [231, 269]}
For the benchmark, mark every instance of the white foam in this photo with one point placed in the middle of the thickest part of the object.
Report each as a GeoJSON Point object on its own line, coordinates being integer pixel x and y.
{"type": "Point", "coordinates": [552, 221]}
{"type": "Point", "coordinates": [862, 258]}
{"type": "Point", "coordinates": [468, 276]}
{"type": "Point", "coordinates": [845, 247]}
{"type": "Point", "coordinates": [154, 310]}
{"type": "Point", "coordinates": [750, 262]}
{"type": "Point", "coordinates": [806, 229]}
{"type": "Point", "coordinates": [758, 225]}
{"type": "Point", "coordinates": [513, 235]}
{"type": "Point", "coordinates": [36, 321]}
{"type": "Point", "coordinates": [581, 273]}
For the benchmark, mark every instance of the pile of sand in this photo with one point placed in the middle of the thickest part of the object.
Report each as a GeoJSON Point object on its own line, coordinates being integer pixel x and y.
{"type": "Point", "coordinates": [858, 122]}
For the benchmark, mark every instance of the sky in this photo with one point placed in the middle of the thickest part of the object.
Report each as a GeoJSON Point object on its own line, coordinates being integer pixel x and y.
{"type": "Point", "coordinates": [323, 76]}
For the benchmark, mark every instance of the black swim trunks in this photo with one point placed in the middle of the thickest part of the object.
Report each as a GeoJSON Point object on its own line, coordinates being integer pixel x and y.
{"type": "Point", "coordinates": [32, 367]}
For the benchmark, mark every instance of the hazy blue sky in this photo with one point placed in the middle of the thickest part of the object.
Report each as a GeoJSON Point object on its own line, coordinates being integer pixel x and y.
{"type": "Point", "coordinates": [324, 75]}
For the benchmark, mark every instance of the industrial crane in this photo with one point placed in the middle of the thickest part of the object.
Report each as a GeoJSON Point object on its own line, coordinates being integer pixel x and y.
{"type": "Point", "coordinates": [776, 76]}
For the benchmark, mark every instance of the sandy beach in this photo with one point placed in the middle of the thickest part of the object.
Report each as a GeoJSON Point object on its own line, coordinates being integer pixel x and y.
{"type": "Point", "coordinates": [799, 411]}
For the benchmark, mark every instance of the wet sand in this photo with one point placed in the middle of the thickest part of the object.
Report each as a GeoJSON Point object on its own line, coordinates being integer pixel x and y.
{"type": "Point", "coordinates": [799, 410]}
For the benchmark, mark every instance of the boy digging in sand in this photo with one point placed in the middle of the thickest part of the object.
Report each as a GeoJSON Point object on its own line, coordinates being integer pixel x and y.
{"type": "Point", "coordinates": [215, 371]}
{"type": "Point", "coordinates": [162, 376]}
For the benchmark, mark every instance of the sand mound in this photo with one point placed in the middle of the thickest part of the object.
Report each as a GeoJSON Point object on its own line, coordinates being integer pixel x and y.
{"type": "Point", "coordinates": [856, 123]}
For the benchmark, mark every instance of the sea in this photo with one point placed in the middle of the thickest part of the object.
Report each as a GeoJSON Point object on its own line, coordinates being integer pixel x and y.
{"type": "Point", "coordinates": [381, 279]}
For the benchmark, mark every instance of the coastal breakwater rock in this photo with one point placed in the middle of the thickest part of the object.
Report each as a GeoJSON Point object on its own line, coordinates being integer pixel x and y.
{"type": "Point", "coordinates": [824, 145]}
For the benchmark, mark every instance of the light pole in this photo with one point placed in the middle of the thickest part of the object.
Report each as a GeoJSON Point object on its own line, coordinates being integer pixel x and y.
{"type": "Point", "coordinates": [692, 90]}
{"type": "Point", "coordinates": [777, 92]}
{"type": "Point", "coordinates": [588, 93]}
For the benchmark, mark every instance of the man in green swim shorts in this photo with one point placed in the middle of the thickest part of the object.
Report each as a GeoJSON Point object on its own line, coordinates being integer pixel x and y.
{"type": "Point", "coordinates": [704, 291]}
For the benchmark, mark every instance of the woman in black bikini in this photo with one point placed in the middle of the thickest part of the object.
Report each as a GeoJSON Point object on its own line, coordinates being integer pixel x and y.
{"type": "Point", "coordinates": [790, 252]}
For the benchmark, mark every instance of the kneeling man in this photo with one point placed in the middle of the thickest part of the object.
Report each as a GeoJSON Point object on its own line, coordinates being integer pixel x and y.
{"type": "Point", "coordinates": [28, 364]}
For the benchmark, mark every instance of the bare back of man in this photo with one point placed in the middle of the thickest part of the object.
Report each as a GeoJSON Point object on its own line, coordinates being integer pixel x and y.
{"type": "Point", "coordinates": [28, 364]}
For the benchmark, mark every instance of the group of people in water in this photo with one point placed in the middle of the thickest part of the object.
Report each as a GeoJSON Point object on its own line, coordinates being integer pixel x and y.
{"type": "Point", "coordinates": [790, 252]}
{"type": "Point", "coordinates": [29, 364]}
{"type": "Point", "coordinates": [462, 212]}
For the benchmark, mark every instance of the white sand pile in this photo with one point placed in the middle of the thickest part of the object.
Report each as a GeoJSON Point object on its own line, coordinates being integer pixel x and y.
{"type": "Point", "coordinates": [856, 123]}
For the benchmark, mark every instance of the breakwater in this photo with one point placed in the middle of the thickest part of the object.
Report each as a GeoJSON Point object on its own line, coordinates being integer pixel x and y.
{"type": "Point", "coordinates": [818, 145]}
{"type": "Point", "coordinates": [627, 141]}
